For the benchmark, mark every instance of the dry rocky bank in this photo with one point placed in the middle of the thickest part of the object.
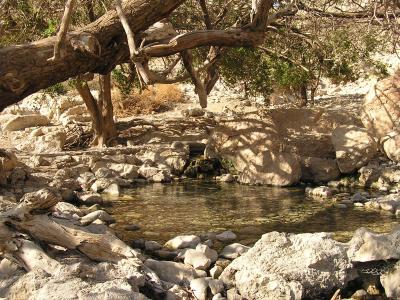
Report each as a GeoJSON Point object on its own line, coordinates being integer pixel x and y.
{"type": "Point", "coordinates": [332, 148]}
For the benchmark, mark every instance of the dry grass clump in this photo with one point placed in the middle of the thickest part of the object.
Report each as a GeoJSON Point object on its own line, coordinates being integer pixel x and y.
{"type": "Point", "coordinates": [158, 98]}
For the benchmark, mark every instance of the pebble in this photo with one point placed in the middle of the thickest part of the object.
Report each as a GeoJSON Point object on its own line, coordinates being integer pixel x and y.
{"type": "Point", "coordinates": [152, 246]}
{"type": "Point", "coordinates": [226, 236]}
{"type": "Point", "coordinates": [132, 227]}
{"type": "Point", "coordinates": [234, 251]}
{"type": "Point", "coordinates": [99, 214]}
{"type": "Point", "coordinates": [183, 241]}
{"type": "Point", "coordinates": [199, 287]}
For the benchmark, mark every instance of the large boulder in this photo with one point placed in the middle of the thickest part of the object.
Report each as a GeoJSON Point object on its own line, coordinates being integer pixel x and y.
{"type": "Point", "coordinates": [269, 168]}
{"type": "Point", "coordinates": [354, 147]}
{"type": "Point", "coordinates": [381, 110]}
{"type": "Point", "coordinates": [368, 246]}
{"type": "Point", "coordinates": [296, 136]}
{"type": "Point", "coordinates": [391, 146]}
{"type": "Point", "coordinates": [289, 266]}
{"type": "Point", "coordinates": [21, 122]}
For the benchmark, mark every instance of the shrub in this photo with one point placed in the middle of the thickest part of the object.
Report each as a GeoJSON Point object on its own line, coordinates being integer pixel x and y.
{"type": "Point", "coordinates": [158, 98]}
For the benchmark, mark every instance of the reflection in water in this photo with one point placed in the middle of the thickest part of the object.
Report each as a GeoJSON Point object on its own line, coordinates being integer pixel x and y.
{"type": "Point", "coordinates": [194, 207]}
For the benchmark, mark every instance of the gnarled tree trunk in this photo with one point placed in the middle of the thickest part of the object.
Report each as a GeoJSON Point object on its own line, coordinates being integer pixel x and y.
{"type": "Point", "coordinates": [96, 48]}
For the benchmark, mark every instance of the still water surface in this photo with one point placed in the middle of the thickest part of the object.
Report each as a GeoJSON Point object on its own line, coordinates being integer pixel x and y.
{"type": "Point", "coordinates": [195, 207]}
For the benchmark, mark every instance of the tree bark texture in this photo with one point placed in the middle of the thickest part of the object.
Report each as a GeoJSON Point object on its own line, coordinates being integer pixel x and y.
{"type": "Point", "coordinates": [96, 48]}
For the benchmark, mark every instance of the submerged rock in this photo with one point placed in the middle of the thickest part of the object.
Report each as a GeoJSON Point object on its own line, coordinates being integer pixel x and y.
{"type": "Point", "coordinates": [226, 236]}
{"type": "Point", "coordinates": [289, 266]}
{"type": "Point", "coordinates": [226, 178]}
{"type": "Point", "coordinates": [321, 192]}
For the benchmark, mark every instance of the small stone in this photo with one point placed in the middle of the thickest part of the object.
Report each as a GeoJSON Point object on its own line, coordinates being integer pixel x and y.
{"type": "Point", "coordinates": [199, 287]}
{"type": "Point", "coordinates": [218, 297]}
{"type": "Point", "coordinates": [99, 214]}
{"type": "Point", "coordinates": [208, 252]}
{"type": "Point", "coordinates": [321, 191]}
{"type": "Point", "coordinates": [373, 290]}
{"type": "Point", "coordinates": [389, 205]}
{"type": "Point", "coordinates": [152, 246]}
{"type": "Point", "coordinates": [357, 197]}
{"type": "Point", "coordinates": [67, 208]}
{"type": "Point", "coordinates": [132, 227]}
{"type": "Point", "coordinates": [162, 176]}
{"type": "Point", "coordinates": [234, 251]}
{"type": "Point", "coordinates": [197, 259]}
{"type": "Point", "coordinates": [226, 236]}
{"type": "Point", "coordinates": [165, 255]}
{"type": "Point", "coordinates": [360, 295]}
{"type": "Point", "coordinates": [113, 190]}
{"type": "Point", "coordinates": [358, 204]}
{"type": "Point", "coordinates": [183, 241]}
{"type": "Point", "coordinates": [341, 205]}
{"type": "Point", "coordinates": [148, 171]}
{"type": "Point", "coordinates": [193, 112]}
{"type": "Point", "coordinates": [174, 272]}
{"type": "Point", "coordinates": [209, 243]}
{"type": "Point", "coordinates": [138, 244]}
{"type": "Point", "coordinates": [181, 254]}
{"type": "Point", "coordinates": [216, 286]}
{"type": "Point", "coordinates": [216, 271]}
{"type": "Point", "coordinates": [226, 178]}
{"type": "Point", "coordinates": [105, 173]}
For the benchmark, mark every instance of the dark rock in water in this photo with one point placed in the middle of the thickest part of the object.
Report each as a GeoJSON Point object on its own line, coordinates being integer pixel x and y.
{"type": "Point", "coordinates": [138, 244]}
{"type": "Point", "coordinates": [132, 227]}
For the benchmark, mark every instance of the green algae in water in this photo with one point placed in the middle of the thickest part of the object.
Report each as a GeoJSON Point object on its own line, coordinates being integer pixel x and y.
{"type": "Point", "coordinates": [196, 207]}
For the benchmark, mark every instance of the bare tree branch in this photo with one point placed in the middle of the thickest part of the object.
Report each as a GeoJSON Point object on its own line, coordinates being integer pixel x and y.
{"type": "Point", "coordinates": [62, 33]}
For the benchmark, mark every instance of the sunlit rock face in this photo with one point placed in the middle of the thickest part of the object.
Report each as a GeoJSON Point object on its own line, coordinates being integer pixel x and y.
{"type": "Point", "coordinates": [288, 266]}
{"type": "Point", "coordinates": [281, 146]}
{"type": "Point", "coordinates": [381, 110]}
{"type": "Point", "coordinates": [354, 147]}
